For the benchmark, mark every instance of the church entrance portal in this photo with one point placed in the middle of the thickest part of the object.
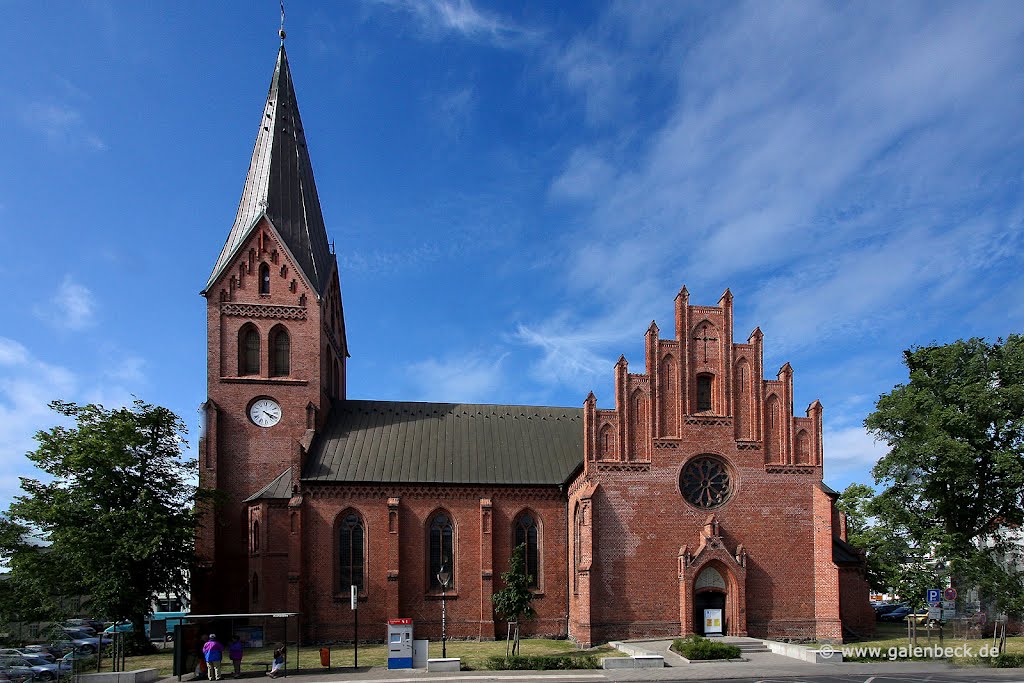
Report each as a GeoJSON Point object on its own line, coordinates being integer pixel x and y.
{"type": "Point", "coordinates": [709, 599]}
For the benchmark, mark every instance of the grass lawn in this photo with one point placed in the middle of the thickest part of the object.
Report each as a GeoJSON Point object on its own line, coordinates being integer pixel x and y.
{"type": "Point", "coordinates": [895, 636]}
{"type": "Point", "coordinates": [472, 653]}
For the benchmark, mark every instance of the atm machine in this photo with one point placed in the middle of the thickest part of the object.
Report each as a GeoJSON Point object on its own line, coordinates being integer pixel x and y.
{"type": "Point", "coordinates": [399, 643]}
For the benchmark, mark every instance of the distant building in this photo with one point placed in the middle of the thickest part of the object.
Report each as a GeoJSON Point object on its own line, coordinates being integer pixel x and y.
{"type": "Point", "coordinates": [697, 490]}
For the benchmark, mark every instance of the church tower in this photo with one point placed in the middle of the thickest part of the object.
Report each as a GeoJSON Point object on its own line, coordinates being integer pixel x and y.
{"type": "Point", "coordinates": [276, 354]}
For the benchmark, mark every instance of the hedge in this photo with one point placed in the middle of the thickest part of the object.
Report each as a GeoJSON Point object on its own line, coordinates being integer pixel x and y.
{"type": "Point", "coordinates": [695, 647]}
{"type": "Point", "coordinates": [542, 662]}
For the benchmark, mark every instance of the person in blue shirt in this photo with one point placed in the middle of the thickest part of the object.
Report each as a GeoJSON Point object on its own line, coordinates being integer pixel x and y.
{"type": "Point", "coordinates": [213, 653]}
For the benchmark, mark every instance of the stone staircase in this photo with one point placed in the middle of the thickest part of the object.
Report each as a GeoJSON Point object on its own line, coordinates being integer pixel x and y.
{"type": "Point", "coordinates": [746, 645]}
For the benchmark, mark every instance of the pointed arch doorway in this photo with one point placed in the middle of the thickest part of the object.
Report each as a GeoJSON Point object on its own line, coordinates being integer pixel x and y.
{"type": "Point", "coordinates": [710, 595]}
{"type": "Point", "coordinates": [712, 578]}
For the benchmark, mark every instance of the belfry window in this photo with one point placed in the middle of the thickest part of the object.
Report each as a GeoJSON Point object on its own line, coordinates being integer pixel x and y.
{"type": "Point", "coordinates": [249, 351]}
{"type": "Point", "coordinates": [255, 536]}
{"type": "Point", "coordinates": [704, 392]}
{"type": "Point", "coordinates": [280, 347]}
{"type": "Point", "coordinates": [441, 549]}
{"type": "Point", "coordinates": [264, 278]}
{"type": "Point", "coordinates": [351, 552]}
{"type": "Point", "coordinates": [526, 534]}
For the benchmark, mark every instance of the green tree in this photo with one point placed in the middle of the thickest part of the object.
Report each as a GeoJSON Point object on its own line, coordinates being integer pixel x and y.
{"type": "Point", "coordinates": [513, 603]}
{"type": "Point", "coordinates": [116, 510]}
{"type": "Point", "coordinates": [953, 478]}
{"type": "Point", "coordinates": [894, 562]}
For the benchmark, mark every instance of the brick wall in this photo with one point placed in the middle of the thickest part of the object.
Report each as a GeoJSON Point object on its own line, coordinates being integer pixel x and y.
{"type": "Point", "coordinates": [239, 458]}
{"type": "Point", "coordinates": [397, 582]}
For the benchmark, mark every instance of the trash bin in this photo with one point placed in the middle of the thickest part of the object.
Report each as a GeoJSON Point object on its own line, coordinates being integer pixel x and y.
{"type": "Point", "coordinates": [325, 657]}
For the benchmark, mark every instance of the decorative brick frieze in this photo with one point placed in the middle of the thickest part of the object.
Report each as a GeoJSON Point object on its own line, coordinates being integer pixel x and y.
{"type": "Point", "coordinates": [264, 311]}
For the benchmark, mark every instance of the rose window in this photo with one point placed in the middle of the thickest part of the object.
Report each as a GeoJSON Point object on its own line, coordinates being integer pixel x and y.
{"type": "Point", "coordinates": [705, 482]}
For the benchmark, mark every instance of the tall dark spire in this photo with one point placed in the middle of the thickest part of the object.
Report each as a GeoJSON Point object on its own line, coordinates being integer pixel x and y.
{"type": "Point", "coordinates": [280, 185]}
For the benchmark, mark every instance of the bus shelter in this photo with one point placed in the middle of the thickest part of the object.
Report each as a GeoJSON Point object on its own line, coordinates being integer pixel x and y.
{"type": "Point", "coordinates": [252, 628]}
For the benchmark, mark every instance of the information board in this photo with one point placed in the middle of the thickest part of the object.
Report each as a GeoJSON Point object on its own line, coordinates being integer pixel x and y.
{"type": "Point", "coordinates": [712, 622]}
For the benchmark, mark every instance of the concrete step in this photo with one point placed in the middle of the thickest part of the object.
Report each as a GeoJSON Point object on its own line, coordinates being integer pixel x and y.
{"type": "Point", "coordinates": [745, 644]}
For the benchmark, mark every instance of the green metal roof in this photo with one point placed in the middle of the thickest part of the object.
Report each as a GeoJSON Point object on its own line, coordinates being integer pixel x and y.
{"type": "Point", "coordinates": [279, 488]}
{"type": "Point", "coordinates": [447, 443]}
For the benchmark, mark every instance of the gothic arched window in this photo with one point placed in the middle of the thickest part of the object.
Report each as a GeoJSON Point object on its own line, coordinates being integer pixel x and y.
{"type": "Point", "coordinates": [704, 392]}
{"type": "Point", "coordinates": [249, 350]}
{"type": "Point", "coordinates": [255, 535]}
{"type": "Point", "coordinates": [264, 278]}
{"type": "Point", "coordinates": [528, 534]}
{"type": "Point", "coordinates": [442, 552]}
{"type": "Point", "coordinates": [280, 347]}
{"type": "Point", "coordinates": [351, 552]}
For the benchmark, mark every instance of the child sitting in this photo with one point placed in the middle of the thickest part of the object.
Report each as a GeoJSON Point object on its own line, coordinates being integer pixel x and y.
{"type": "Point", "coordinates": [275, 669]}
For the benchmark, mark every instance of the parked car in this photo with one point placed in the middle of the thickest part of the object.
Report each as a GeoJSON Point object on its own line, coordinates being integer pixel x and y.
{"type": "Point", "coordinates": [59, 665]}
{"type": "Point", "coordinates": [41, 650]}
{"type": "Point", "coordinates": [26, 652]}
{"type": "Point", "coordinates": [921, 617]}
{"type": "Point", "coordinates": [41, 669]}
{"type": "Point", "coordinates": [96, 626]}
{"type": "Point", "coordinates": [896, 615]}
{"type": "Point", "coordinates": [16, 674]}
{"type": "Point", "coordinates": [881, 609]}
{"type": "Point", "coordinates": [75, 655]}
{"type": "Point", "coordinates": [82, 639]}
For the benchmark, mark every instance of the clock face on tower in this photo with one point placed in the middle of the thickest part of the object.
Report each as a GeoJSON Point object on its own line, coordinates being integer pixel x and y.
{"type": "Point", "coordinates": [265, 412]}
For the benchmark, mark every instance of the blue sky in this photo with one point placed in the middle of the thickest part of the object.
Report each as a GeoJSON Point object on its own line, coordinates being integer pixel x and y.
{"type": "Point", "coordinates": [516, 190]}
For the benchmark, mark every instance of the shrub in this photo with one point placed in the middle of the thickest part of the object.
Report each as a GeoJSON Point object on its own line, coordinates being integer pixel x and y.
{"type": "Point", "coordinates": [1008, 661]}
{"type": "Point", "coordinates": [695, 647]}
{"type": "Point", "coordinates": [542, 663]}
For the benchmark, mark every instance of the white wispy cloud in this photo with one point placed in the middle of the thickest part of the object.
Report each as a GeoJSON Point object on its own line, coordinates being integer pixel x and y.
{"type": "Point", "coordinates": [821, 160]}
{"type": "Point", "coordinates": [438, 18]}
{"type": "Point", "coordinates": [465, 378]}
{"type": "Point", "coordinates": [62, 125]}
{"type": "Point", "coordinates": [27, 385]}
{"type": "Point", "coordinates": [453, 111]}
{"type": "Point", "coordinates": [72, 307]}
{"type": "Point", "coordinates": [849, 452]}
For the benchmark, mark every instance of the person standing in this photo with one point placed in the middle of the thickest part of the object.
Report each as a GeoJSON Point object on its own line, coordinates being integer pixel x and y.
{"type": "Point", "coordinates": [213, 653]}
{"type": "Point", "coordinates": [235, 655]}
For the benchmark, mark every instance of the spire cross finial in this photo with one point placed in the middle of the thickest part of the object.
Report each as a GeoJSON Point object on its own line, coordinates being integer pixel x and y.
{"type": "Point", "coordinates": [281, 31]}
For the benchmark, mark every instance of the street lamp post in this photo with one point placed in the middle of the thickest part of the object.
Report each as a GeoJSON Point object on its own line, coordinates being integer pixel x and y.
{"type": "Point", "coordinates": [443, 577]}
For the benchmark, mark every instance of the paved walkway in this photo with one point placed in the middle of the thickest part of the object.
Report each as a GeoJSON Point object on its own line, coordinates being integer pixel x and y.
{"type": "Point", "coordinates": [759, 666]}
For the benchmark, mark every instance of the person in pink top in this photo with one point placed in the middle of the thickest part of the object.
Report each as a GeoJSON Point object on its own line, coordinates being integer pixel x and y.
{"type": "Point", "coordinates": [213, 653]}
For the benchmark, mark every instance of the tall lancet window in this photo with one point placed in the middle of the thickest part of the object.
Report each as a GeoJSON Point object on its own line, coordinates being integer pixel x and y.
{"type": "Point", "coordinates": [350, 552]}
{"type": "Point", "coordinates": [526, 534]}
{"type": "Point", "coordinates": [280, 364]}
{"type": "Point", "coordinates": [249, 350]}
{"type": "Point", "coordinates": [703, 393]}
{"type": "Point", "coordinates": [441, 549]}
{"type": "Point", "coordinates": [264, 278]}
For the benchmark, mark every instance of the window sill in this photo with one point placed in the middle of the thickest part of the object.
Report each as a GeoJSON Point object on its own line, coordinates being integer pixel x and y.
{"type": "Point", "coordinates": [347, 597]}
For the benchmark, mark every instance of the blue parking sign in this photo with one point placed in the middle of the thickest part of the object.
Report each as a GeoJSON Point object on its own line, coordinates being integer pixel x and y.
{"type": "Point", "coordinates": [934, 595]}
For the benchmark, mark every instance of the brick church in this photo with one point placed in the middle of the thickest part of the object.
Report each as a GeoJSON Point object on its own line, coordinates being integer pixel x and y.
{"type": "Point", "coordinates": [697, 489]}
